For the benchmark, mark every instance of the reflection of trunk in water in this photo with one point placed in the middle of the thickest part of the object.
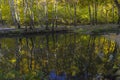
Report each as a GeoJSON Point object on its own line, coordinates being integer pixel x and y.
{"type": "Point", "coordinates": [65, 53]}
{"type": "Point", "coordinates": [56, 42]}
{"type": "Point", "coordinates": [78, 58]}
{"type": "Point", "coordinates": [38, 56]}
{"type": "Point", "coordinates": [90, 54]}
{"type": "Point", "coordinates": [32, 62]}
{"type": "Point", "coordinates": [19, 45]}
{"type": "Point", "coordinates": [54, 47]}
{"type": "Point", "coordinates": [70, 49]}
{"type": "Point", "coordinates": [47, 51]}
{"type": "Point", "coordinates": [29, 52]}
{"type": "Point", "coordinates": [73, 49]}
{"type": "Point", "coordinates": [27, 49]}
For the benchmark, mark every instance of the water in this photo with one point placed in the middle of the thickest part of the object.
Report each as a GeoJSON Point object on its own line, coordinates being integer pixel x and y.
{"type": "Point", "coordinates": [77, 55]}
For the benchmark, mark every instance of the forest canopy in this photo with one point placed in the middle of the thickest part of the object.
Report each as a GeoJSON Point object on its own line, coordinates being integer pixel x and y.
{"type": "Point", "coordinates": [58, 12]}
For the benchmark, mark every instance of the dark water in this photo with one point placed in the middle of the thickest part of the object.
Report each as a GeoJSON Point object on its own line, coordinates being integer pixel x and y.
{"type": "Point", "coordinates": [77, 55]}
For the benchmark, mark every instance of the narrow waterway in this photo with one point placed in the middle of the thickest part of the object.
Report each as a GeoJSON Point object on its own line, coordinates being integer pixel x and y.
{"type": "Point", "coordinates": [77, 55]}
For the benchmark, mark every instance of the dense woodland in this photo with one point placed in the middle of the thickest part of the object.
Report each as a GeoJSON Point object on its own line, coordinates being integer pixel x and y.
{"type": "Point", "coordinates": [50, 13]}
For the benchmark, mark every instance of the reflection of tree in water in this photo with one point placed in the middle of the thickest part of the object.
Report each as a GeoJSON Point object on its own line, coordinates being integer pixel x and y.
{"type": "Point", "coordinates": [75, 54]}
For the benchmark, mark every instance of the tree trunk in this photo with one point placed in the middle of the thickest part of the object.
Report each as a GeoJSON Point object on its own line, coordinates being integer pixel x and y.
{"type": "Point", "coordinates": [54, 15]}
{"type": "Point", "coordinates": [14, 13]}
{"type": "Point", "coordinates": [17, 15]}
{"type": "Point", "coordinates": [90, 16]}
{"type": "Point", "coordinates": [18, 50]}
{"type": "Point", "coordinates": [118, 6]}
{"type": "Point", "coordinates": [46, 14]}
{"type": "Point", "coordinates": [75, 14]}
{"type": "Point", "coordinates": [93, 12]}
{"type": "Point", "coordinates": [38, 14]}
{"type": "Point", "coordinates": [96, 9]}
{"type": "Point", "coordinates": [12, 10]}
{"type": "Point", "coordinates": [31, 14]}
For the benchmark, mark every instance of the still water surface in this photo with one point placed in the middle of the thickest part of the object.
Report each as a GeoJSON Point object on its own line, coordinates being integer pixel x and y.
{"type": "Point", "coordinates": [33, 57]}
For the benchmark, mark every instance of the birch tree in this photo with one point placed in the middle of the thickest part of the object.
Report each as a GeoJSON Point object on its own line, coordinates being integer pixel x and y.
{"type": "Point", "coordinates": [54, 14]}
{"type": "Point", "coordinates": [96, 10]}
{"type": "Point", "coordinates": [90, 15]}
{"type": "Point", "coordinates": [17, 14]}
{"type": "Point", "coordinates": [31, 14]}
{"type": "Point", "coordinates": [46, 13]}
{"type": "Point", "coordinates": [14, 13]}
{"type": "Point", "coordinates": [75, 13]}
{"type": "Point", "coordinates": [39, 13]}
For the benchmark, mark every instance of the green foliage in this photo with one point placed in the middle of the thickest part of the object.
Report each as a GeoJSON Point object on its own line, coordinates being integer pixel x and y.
{"type": "Point", "coordinates": [65, 11]}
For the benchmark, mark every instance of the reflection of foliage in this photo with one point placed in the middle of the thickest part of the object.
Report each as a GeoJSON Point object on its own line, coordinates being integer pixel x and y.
{"type": "Point", "coordinates": [32, 58]}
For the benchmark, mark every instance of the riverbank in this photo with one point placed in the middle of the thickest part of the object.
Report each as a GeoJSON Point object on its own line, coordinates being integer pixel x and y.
{"type": "Point", "coordinates": [83, 29]}
{"type": "Point", "coordinates": [4, 32]}
{"type": "Point", "coordinates": [98, 29]}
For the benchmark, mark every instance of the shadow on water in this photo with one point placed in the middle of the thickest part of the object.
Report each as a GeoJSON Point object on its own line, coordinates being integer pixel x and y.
{"type": "Point", "coordinates": [70, 56]}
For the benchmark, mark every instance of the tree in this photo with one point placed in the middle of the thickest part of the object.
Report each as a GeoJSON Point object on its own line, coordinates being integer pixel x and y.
{"type": "Point", "coordinates": [90, 14]}
{"type": "Point", "coordinates": [96, 10]}
{"type": "Point", "coordinates": [31, 14]}
{"type": "Point", "coordinates": [54, 14]}
{"type": "Point", "coordinates": [43, 12]}
{"type": "Point", "coordinates": [13, 9]}
{"type": "Point", "coordinates": [46, 13]}
{"type": "Point", "coordinates": [75, 13]}
{"type": "Point", "coordinates": [118, 7]}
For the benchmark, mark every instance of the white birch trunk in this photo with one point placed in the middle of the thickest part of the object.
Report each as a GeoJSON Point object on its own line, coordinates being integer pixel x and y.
{"type": "Point", "coordinates": [39, 13]}
{"type": "Point", "coordinates": [14, 12]}
{"type": "Point", "coordinates": [17, 14]}
{"type": "Point", "coordinates": [11, 3]}
{"type": "Point", "coordinates": [32, 13]}
{"type": "Point", "coordinates": [55, 8]}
